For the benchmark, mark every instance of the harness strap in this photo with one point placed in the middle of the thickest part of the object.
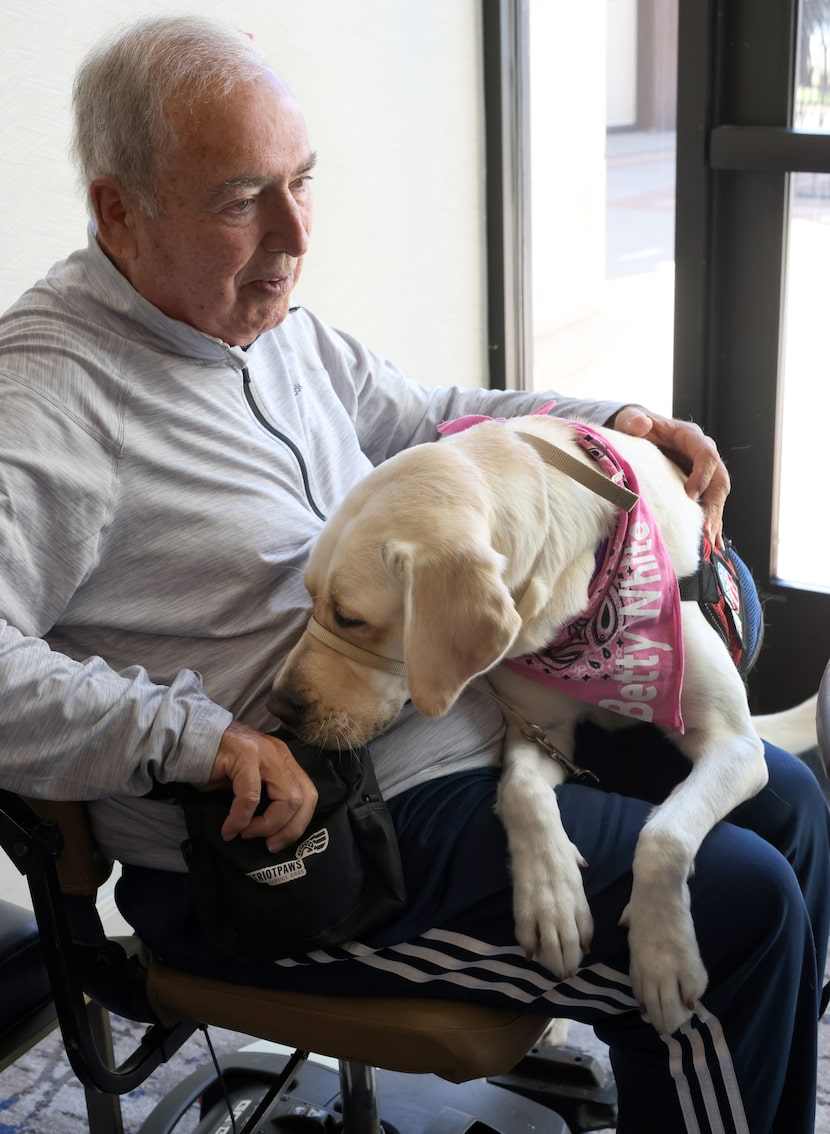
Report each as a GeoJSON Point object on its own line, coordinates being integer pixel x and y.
{"type": "Point", "coordinates": [590, 477]}
{"type": "Point", "coordinates": [725, 591]}
{"type": "Point", "coordinates": [702, 586]}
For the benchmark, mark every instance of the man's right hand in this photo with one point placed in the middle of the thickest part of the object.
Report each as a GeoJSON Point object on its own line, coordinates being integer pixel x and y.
{"type": "Point", "coordinates": [248, 760]}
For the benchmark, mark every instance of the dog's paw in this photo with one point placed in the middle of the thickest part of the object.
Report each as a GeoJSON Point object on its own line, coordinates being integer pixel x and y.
{"type": "Point", "coordinates": [553, 919]}
{"type": "Point", "coordinates": [555, 1034]}
{"type": "Point", "coordinates": [667, 974]}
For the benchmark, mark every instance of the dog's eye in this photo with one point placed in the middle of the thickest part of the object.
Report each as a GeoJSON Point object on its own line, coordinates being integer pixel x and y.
{"type": "Point", "coordinates": [347, 623]}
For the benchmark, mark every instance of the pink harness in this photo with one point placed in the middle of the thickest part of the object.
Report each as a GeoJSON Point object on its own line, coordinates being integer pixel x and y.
{"type": "Point", "coordinates": [624, 652]}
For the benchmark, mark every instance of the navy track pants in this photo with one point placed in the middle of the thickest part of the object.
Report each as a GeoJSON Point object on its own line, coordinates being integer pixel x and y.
{"type": "Point", "coordinates": [760, 901]}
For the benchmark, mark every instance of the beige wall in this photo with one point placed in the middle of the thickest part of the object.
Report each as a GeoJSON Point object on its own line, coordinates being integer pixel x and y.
{"type": "Point", "coordinates": [391, 92]}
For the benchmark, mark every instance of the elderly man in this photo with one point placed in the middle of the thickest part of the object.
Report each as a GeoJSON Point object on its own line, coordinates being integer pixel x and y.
{"type": "Point", "coordinates": [175, 429]}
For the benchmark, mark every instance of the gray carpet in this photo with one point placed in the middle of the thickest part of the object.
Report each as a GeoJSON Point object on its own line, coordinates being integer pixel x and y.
{"type": "Point", "coordinates": [40, 1095]}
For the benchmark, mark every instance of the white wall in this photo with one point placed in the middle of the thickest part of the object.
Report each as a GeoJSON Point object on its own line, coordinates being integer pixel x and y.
{"type": "Point", "coordinates": [391, 93]}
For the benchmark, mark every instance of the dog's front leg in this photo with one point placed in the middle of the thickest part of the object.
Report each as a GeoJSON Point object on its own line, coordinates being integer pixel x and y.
{"type": "Point", "coordinates": [552, 916]}
{"type": "Point", "coordinates": [727, 767]}
{"type": "Point", "coordinates": [668, 976]}
{"type": "Point", "coordinates": [667, 973]}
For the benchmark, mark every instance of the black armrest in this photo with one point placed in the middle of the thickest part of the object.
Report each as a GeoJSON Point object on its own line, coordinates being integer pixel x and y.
{"type": "Point", "coordinates": [81, 960]}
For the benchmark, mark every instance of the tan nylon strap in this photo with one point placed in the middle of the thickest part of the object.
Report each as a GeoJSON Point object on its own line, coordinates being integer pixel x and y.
{"type": "Point", "coordinates": [586, 475]}
{"type": "Point", "coordinates": [355, 653]}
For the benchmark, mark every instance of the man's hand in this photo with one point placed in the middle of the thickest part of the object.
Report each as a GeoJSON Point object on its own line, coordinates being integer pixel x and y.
{"type": "Point", "coordinates": [690, 448]}
{"type": "Point", "coordinates": [249, 759]}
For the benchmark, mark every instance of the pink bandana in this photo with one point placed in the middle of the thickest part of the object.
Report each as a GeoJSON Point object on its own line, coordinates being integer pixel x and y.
{"type": "Point", "coordinates": [625, 651]}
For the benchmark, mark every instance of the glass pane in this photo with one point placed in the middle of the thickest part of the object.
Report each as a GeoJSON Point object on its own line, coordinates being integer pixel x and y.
{"type": "Point", "coordinates": [801, 545]}
{"type": "Point", "coordinates": [602, 112]}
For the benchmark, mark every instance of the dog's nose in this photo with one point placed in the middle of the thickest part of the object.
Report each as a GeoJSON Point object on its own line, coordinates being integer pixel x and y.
{"type": "Point", "coordinates": [288, 710]}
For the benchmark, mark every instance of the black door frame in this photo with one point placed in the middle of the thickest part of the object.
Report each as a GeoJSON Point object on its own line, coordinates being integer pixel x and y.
{"type": "Point", "coordinates": [735, 149]}
{"type": "Point", "coordinates": [506, 95]}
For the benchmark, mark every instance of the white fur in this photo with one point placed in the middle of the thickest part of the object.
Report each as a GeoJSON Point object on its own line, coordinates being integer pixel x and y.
{"type": "Point", "coordinates": [422, 561]}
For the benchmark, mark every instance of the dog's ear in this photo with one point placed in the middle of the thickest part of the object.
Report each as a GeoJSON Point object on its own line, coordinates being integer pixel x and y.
{"type": "Point", "coordinates": [459, 619]}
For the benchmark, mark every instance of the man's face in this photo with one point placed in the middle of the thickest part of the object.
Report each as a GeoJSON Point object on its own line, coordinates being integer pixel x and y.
{"type": "Point", "coordinates": [227, 248]}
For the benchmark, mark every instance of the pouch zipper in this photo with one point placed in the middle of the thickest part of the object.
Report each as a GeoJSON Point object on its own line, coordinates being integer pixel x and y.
{"type": "Point", "coordinates": [266, 424]}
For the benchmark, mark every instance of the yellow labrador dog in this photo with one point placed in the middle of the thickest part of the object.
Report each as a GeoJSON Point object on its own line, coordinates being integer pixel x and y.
{"type": "Point", "coordinates": [452, 557]}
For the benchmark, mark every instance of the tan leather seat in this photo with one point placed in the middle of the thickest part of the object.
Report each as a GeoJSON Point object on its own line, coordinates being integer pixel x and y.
{"type": "Point", "coordinates": [453, 1040]}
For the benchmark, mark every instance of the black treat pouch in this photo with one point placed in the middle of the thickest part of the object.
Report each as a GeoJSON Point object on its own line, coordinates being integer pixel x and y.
{"type": "Point", "coordinates": [341, 880]}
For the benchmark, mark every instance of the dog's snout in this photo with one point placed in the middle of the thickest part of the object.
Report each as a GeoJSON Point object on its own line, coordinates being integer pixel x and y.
{"type": "Point", "coordinates": [288, 709]}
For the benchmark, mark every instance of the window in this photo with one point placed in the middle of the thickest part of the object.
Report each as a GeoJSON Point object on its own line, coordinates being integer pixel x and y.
{"type": "Point", "coordinates": [602, 158]}
{"type": "Point", "coordinates": [593, 274]}
{"type": "Point", "coordinates": [801, 548]}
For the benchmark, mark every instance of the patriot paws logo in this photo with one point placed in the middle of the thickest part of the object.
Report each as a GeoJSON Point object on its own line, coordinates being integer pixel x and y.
{"type": "Point", "coordinates": [294, 868]}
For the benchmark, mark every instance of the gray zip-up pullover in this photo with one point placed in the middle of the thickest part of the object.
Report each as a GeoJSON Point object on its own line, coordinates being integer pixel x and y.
{"type": "Point", "coordinates": [159, 493]}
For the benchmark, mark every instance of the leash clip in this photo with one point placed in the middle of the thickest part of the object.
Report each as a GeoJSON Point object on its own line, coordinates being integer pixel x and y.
{"type": "Point", "coordinates": [537, 734]}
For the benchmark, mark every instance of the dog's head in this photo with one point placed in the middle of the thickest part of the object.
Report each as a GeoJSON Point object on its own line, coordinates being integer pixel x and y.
{"type": "Point", "coordinates": [402, 579]}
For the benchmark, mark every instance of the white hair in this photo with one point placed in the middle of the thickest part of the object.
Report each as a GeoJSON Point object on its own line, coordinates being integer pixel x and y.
{"type": "Point", "coordinates": [124, 85]}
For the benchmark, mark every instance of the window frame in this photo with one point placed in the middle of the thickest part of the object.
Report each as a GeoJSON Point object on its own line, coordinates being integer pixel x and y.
{"type": "Point", "coordinates": [735, 150]}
